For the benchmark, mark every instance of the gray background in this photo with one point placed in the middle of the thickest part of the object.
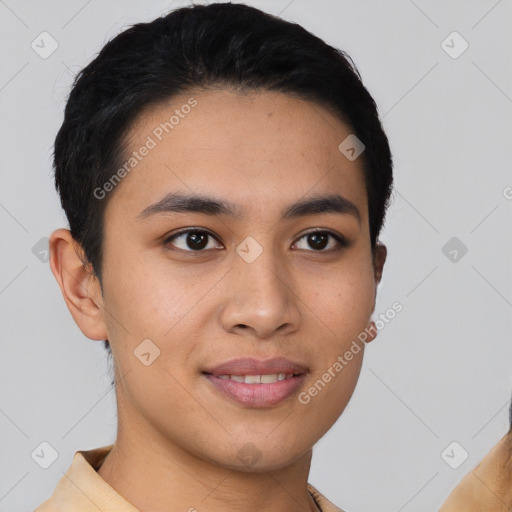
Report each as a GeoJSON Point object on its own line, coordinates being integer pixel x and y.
{"type": "Point", "coordinates": [439, 372]}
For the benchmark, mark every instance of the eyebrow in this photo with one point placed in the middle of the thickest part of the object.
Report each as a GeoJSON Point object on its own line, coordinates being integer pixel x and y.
{"type": "Point", "coordinates": [179, 202]}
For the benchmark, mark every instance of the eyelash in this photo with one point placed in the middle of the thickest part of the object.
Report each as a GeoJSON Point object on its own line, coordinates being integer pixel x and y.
{"type": "Point", "coordinates": [342, 241]}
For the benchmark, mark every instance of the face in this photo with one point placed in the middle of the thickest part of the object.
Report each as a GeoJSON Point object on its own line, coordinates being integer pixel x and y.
{"type": "Point", "coordinates": [188, 290]}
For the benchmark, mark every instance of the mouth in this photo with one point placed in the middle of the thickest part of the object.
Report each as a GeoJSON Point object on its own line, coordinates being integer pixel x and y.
{"type": "Point", "coordinates": [255, 383]}
{"type": "Point", "coordinates": [257, 379]}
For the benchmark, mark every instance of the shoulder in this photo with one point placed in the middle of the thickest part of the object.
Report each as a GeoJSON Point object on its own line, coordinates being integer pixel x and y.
{"type": "Point", "coordinates": [47, 506]}
{"type": "Point", "coordinates": [82, 475]}
{"type": "Point", "coordinates": [324, 504]}
{"type": "Point", "coordinates": [489, 485]}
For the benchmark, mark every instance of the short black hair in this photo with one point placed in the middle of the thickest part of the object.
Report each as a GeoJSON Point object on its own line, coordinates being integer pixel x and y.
{"type": "Point", "coordinates": [222, 45]}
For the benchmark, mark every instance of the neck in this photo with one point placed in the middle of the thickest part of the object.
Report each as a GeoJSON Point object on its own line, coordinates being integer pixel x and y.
{"type": "Point", "coordinates": [157, 475]}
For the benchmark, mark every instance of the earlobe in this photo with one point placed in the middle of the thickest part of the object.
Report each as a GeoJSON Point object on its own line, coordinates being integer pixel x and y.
{"type": "Point", "coordinates": [371, 331]}
{"type": "Point", "coordinates": [80, 289]}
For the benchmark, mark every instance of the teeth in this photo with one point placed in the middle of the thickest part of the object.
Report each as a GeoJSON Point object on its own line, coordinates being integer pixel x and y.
{"type": "Point", "coordinates": [258, 379]}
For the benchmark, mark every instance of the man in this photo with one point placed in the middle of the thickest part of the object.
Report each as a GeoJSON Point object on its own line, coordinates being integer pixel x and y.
{"type": "Point", "coordinates": [225, 176]}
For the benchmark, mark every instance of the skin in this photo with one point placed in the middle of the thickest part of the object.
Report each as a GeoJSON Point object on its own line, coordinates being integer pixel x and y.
{"type": "Point", "coordinates": [178, 437]}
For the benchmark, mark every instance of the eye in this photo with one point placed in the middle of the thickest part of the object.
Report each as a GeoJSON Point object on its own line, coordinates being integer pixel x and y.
{"type": "Point", "coordinates": [318, 239]}
{"type": "Point", "coordinates": [196, 240]}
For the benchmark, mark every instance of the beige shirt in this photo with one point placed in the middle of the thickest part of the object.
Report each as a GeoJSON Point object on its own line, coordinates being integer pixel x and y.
{"type": "Point", "coordinates": [82, 489]}
{"type": "Point", "coordinates": [488, 487]}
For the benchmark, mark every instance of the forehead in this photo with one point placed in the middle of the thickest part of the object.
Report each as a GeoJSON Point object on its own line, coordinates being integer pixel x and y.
{"type": "Point", "coordinates": [259, 149]}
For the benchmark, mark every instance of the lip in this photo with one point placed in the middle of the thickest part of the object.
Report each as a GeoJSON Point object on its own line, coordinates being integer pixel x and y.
{"type": "Point", "coordinates": [257, 395]}
{"type": "Point", "coordinates": [252, 366]}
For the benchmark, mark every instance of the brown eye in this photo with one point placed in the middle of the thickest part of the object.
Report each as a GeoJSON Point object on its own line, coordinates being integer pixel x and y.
{"type": "Point", "coordinates": [191, 240]}
{"type": "Point", "coordinates": [319, 240]}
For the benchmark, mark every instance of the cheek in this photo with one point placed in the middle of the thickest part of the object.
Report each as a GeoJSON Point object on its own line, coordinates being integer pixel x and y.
{"type": "Point", "coordinates": [342, 310]}
{"type": "Point", "coordinates": [146, 301]}
{"type": "Point", "coordinates": [329, 391]}
{"type": "Point", "coordinates": [346, 301]}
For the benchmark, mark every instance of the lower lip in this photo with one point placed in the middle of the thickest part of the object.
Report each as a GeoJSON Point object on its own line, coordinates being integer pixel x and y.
{"type": "Point", "coordinates": [258, 395]}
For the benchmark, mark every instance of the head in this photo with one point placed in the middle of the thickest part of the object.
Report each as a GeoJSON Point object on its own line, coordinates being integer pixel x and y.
{"type": "Point", "coordinates": [249, 114]}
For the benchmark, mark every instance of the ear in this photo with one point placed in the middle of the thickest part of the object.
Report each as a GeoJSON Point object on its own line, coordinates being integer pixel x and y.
{"type": "Point", "coordinates": [80, 288]}
{"type": "Point", "coordinates": [379, 258]}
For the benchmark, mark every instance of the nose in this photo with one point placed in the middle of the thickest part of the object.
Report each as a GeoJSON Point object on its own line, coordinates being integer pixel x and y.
{"type": "Point", "coordinates": [260, 298]}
